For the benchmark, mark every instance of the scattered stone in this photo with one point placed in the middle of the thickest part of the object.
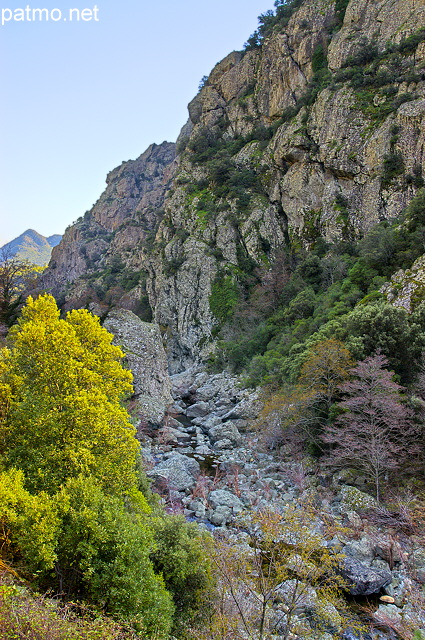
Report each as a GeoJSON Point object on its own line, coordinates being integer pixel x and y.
{"type": "Point", "coordinates": [197, 410]}
{"type": "Point", "coordinates": [221, 497]}
{"type": "Point", "coordinates": [363, 580]}
{"type": "Point", "coordinates": [387, 599]}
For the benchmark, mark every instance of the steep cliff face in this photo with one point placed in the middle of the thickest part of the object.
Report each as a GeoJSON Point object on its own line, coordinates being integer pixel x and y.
{"type": "Point", "coordinates": [317, 131]}
{"type": "Point", "coordinates": [114, 234]}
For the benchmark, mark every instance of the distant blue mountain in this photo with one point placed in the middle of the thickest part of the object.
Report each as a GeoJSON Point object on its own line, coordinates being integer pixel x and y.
{"type": "Point", "coordinates": [32, 246]}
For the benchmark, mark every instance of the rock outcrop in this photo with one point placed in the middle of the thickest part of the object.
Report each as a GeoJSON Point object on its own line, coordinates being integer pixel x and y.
{"type": "Point", "coordinates": [407, 288]}
{"type": "Point", "coordinates": [145, 357]}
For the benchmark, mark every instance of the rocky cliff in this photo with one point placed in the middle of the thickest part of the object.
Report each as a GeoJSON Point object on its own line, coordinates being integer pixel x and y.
{"type": "Point", "coordinates": [315, 130]}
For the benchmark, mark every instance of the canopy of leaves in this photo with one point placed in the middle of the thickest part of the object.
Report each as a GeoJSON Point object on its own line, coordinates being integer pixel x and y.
{"type": "Point", "coordinates": [65, 418]}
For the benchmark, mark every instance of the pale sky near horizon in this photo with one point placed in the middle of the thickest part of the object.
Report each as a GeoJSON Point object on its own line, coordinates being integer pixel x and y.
{"type": "Point", "coordinates": [79, 97]}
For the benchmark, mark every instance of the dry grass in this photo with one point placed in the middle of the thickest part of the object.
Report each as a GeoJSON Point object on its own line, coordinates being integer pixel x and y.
{"type": "Point", "coordinates": [25, 615]}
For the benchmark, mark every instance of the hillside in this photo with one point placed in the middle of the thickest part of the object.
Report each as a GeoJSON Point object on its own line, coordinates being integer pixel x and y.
{"type": "Point", "coordinates": [32, 246]}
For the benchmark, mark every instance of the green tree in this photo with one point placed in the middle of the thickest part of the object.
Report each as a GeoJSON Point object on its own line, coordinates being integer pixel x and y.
{"type": "Point", "coordinates": [380, 326]}
{"type": "Point", "coordinates": [180, 557]}
{"type": "Point", "coordinates": [66, 419]}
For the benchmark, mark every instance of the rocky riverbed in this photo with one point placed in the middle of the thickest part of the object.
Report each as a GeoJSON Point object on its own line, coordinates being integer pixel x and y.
{"type": "Point", "coordinates": [204, 454]}
{"type": "Point", "coordinates": [207, 462]}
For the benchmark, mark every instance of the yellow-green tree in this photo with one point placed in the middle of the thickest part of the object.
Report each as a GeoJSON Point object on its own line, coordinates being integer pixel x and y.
{"type": "Point", "coordinates": [64, 381]}
{"type": "Point", "coordinates": [70, 508]}
{"type": "Point", "coordinates": [327, 366]}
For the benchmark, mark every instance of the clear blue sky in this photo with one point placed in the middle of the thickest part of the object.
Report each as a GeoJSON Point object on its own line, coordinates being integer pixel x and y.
{"type": "Point", "coordinates": [78, 98]}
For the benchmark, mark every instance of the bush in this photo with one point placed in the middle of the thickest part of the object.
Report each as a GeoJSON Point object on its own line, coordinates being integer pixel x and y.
{"type": "Point", "coordinates": [103, 555]}
{"type": "Point", "coordinates": [340, 9]}
{"type": "Point", "coordinates": [24, 614]}
{"type": "Point", "coordinates": [409, 44]}
{"type": "Point", "coordinates": [223, 298]}
{"type": "Point", "coordinates": [393, 166]}
{"type": "Point", "coordinates": [319, 59]}
{"type": "Point", "coordinates": [181, 558]}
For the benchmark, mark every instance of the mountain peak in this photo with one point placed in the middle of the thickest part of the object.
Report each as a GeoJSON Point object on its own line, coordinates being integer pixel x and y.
{"type": "Point", "coordinates": [33, 246]}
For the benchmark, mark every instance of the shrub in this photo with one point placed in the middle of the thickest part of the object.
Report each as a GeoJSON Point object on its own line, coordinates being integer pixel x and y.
{"type": "Point", "coordinates": [181, 558]}
{"type": "Point", "coordinates": [319, 59]}
{"type": "Point", "coordinates": [392, 167]}
{"type": "Point", "coordinates": [24, 614]}
{"type": "Point", "coordinates": [340, 9]}
{"type": "Point", "coordinates": [103, 554]}
{"type": "Point", "coordinates": [223, 298]}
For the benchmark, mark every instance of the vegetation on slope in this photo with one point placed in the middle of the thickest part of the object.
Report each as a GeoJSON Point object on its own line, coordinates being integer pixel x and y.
{"type": "Point", "coordinates": [331, 290]}
{"type": "Point", "coordinates": [72, 511]}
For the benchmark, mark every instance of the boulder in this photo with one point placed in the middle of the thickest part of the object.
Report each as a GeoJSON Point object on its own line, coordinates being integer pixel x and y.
{"type": "Point", "coordinates": [208, 422]}
{"type": "Point", "coordinates": [225, 431]}
{"type": "Point", "coordinates": [247, 409]}
{"type": "Point", "coordinates": [145, 357]}
{"type": "Point", "coordinates": [198, 410]}
{"type": "Point", "coordinates": [362, 550]}
{"type": "Point", "coordinates": [223, 445]}
{"type": "Point", "coordinates": [221, 497]}
{"type": "Point", "coordinates": [220, 516]}
{"type": "Point", "coordinates": [178, 471]}
{"type": "Point", "coordinates": [352, 499]}
{"type": "Point", "coordinates": [417, 563]}
{"type": "Point", "coordinates": [363, 580]}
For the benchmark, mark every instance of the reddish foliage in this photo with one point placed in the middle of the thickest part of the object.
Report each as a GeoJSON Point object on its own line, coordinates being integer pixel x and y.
{"type": "Point", "coordinates": [375, 433]}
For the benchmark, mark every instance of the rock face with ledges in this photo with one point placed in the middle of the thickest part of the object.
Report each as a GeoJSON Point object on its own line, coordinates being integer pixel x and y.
{"type": "Point", "coordinates": [279, 150]}
{"type": "Point", "coordinates": [117, 225]}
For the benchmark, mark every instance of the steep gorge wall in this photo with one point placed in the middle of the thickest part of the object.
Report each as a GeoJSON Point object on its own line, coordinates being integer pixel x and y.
{"type": "Point", "coordinates": [286, 142]}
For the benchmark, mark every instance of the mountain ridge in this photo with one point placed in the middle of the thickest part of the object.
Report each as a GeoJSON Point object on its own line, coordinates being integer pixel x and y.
{"type": "Point", "coordinates": [33, 246]}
